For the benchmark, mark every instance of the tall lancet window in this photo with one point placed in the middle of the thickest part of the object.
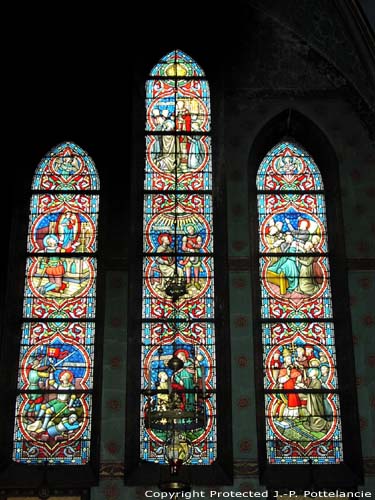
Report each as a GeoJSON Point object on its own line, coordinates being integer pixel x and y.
{"type": "Point", "coordinates": [178, 336]}
{"type": "Point", "coordinates": [56, 362]}
{"type": "Point", "coordinates": [298, 329]}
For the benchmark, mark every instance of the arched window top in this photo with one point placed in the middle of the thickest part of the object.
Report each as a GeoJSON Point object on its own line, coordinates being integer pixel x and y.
{"type": "Point", "coordinates": [177, 64]}
{"type": "Point", "coordinates": [288, 167]}
{"type": "Point", "coordinates": [178, 99]}
{"type": "Point", "coordinates": [67, 167]}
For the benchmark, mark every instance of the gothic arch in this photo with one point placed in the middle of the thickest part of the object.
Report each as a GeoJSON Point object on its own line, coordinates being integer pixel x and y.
{"type": "Point", "coordinates": [292, 126]}
{"type": "Point", "coordinates": [219, 471]}
{"type": "Point", "coordinates": [54, 327]}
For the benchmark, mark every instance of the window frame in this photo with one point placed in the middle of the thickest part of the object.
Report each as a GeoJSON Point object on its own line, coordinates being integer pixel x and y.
{"type": "Point", "coordinates": [137, 471]}
{"type": "Point", "coordinates": [293, 126]}
{"type": "Point", "coordinates": [14, 476]}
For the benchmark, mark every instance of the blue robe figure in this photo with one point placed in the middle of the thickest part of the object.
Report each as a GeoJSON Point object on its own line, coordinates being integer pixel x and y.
{"type": "Point", "coordinates": [287, 265]}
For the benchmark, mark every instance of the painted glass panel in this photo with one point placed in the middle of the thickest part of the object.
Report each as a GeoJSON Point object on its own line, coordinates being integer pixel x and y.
{"type": "Point", "coordinates": [182, 220]}
{"type": "Point", "coordinates": [57, 352]}
{"type": "Point", "coordinates": [177, 104]}
{"type": "Point", "coordinates": [59, 286]}
{"type": "Point", "coordinates": [64, 435]}
{"type": "Point", "coordinates": [288, 222]}
{"type": "Point", "coordinates": [299, 359]}
{"type": "Point", "coordinates": [314, 434]}
{"type": "Point", "coordinates": [177, 64]}
{"type": "Point", "coordinates": [197, 301]}
{"type": "Point", "coordinates": [65, 220]}
{"type": "Point", "coordinates": [193, 342]}
{"type": "Point", "coordinates": [288, 167]}
{"type": "Point", "coordinates": [66, 168]}
{"type": "Point", "coordinates": [178, 163]}
{"type": "Point", "coordinates": [178, 334]}
{"type": "Point", "coordinates": [56, 362]}
{"type": "Point", "coordinates": [304, 354]}
{"type": "Point", "coordinates": [295, 286]}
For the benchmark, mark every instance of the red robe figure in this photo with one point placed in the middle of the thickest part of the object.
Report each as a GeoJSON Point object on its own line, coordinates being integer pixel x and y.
{"type": "Point", "coordinates": [192, 243]}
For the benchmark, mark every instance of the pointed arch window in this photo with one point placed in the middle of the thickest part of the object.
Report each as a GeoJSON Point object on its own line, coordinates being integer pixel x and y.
{"type": "Point", "coordinates": [56, 361]}
{"type": "Point", "coordinates": [302, 408]}
{"type": "Point", "coordinates": [178, 325]}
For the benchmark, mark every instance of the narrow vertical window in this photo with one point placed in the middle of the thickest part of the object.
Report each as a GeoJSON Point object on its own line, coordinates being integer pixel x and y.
{"type": "Point", "coordinates": [55, 375]}
{"type": "Point", "coordinates": [298, 328]}
{"type": "Point", "coordinates": [178, 409]}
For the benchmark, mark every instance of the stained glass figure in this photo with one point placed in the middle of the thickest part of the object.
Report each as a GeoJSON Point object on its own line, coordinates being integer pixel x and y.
{"type": "Point", "coordinates": [178, 407]}
{"type": "Point", "coordinates": [177, 101]}
{"type": "Point", "coordinates": [299, 360]}
{"type": "Point", "coordinates": [69, 220]}
{"type": "Point", "coordinates": [56, 363]}
{"type": "Point", "coordinates": [66, 168]}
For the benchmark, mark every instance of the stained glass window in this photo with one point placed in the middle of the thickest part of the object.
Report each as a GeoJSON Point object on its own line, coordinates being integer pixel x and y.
{"type": "Point", "coordinates": [178, 335]}
{"type": "Point", "coordinates": [55, 373]}
{"type": "Point", "coordinates": [302, 409]}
